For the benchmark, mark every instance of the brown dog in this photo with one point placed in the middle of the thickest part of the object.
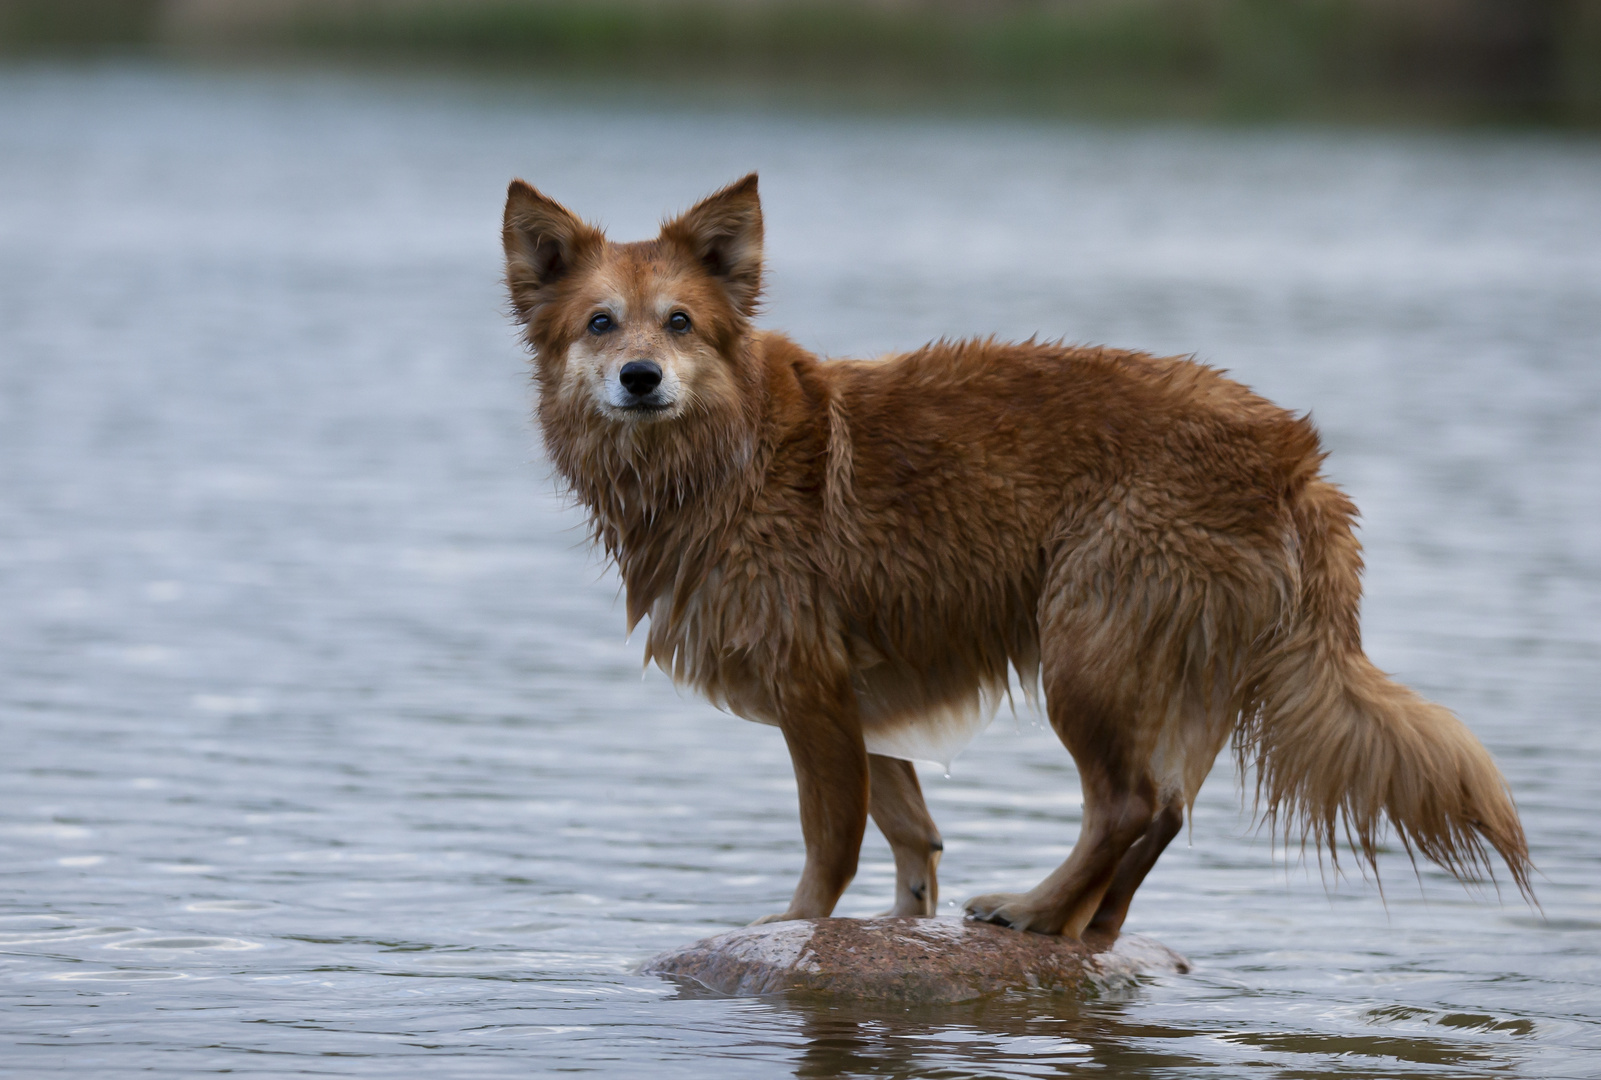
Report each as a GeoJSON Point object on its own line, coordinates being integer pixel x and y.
{"type": "Point", "coordinates": [858, 552]}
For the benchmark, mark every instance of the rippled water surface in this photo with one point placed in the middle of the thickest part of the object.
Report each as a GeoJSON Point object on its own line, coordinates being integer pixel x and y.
{"type": "Point", "coordinates": [321, 747]}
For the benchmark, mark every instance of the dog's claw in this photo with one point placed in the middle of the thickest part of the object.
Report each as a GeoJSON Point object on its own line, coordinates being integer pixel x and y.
{"type": "Point", "coordinates": [1010, 910]}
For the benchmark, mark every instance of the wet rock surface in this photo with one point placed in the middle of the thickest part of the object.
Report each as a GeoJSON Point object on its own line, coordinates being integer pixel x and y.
{"type": "Point", "coordinates": [906, 959]}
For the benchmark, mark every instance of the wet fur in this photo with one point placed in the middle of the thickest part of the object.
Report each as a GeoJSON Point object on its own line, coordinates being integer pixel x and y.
{"type": "Point", "coordinates": [859, 552]}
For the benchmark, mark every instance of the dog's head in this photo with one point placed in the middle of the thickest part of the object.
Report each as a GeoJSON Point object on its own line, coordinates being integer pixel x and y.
{"type": "Point", "coordinates": [635, 333]}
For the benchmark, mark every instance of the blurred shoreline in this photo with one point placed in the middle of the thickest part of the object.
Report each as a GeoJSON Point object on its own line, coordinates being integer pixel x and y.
{"type": "Point", "coordinates": [1433, 61]}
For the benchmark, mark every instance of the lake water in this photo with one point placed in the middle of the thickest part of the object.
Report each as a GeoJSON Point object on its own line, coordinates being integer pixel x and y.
{"type": "Point", "coordinates": [322, 752]}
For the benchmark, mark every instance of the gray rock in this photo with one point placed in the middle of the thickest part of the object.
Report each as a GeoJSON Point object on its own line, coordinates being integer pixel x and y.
{"type": "Point", "coordinates": [906, 960]}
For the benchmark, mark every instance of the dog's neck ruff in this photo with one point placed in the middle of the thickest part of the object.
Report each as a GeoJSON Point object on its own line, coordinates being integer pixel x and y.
{"type": "Point", "coordinates": [660, 494]}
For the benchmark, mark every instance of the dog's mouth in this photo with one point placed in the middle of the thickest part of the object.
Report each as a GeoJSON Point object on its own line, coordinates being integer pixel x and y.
{"type": "Point", "coordinates": [646, 408]}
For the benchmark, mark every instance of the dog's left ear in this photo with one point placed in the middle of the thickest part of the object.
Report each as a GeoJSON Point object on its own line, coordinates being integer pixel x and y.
{"type": "Point", "coordinates": [723, 232]}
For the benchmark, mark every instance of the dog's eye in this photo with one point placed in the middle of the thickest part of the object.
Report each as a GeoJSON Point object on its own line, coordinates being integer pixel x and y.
{"type": "Point", "coordinates": [678, 322]}
{"type": "Point", "coordinates": [599, 323]}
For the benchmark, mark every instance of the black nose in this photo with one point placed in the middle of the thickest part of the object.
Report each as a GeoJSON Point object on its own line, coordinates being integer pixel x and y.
{"type": "Point", "coordinates": [640, 377]}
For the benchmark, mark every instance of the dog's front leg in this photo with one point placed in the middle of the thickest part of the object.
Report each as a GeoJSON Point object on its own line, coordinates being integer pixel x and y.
{"type": "Point", "coordinates": [902, 816]}
{"type": "Point", "coordinates": [824, 733]}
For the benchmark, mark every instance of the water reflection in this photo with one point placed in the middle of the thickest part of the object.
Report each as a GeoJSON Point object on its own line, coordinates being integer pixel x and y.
{"type": "Point", "coordinates": [1018, 1036]}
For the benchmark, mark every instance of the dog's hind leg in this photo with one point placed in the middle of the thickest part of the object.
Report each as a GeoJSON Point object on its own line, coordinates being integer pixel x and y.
{"type": "Point", "coordinates": [1101, 702]}
{"type": "Point", "coordinates": [1131, 870]}
{"type": "Point", "coordinates": [1118, 810]}
{"type": "Point", "coordinates": [896, 801]}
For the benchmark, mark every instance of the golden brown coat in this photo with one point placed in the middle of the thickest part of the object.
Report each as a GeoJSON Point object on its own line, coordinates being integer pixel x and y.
{"type": "Point", "coordinates": [859, 552]}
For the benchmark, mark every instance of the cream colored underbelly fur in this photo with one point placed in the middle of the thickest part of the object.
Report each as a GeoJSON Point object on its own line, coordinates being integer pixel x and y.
{"type": "Point", "coordinates": [936, 736]}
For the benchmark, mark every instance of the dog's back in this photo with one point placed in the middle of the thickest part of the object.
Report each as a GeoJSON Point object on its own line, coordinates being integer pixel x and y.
{"type": "Point", "coordinates": [922, 501]}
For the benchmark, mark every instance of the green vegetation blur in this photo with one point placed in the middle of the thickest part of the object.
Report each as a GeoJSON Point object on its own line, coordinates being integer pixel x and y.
{"type": "Point", "coordinates": [1507, 61]}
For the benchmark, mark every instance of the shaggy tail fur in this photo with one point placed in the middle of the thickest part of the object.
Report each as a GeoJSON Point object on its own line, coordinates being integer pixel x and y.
{"type": "Point", "coordinates": [1338, 746]}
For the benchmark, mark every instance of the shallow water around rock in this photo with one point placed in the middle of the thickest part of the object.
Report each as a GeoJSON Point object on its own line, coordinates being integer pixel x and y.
{"type": "Point", "coordinates": [321, 749]}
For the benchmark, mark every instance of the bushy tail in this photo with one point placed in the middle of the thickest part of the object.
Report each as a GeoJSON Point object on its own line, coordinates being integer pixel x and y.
{"type": "Point", "coordinates": [1338, 747]}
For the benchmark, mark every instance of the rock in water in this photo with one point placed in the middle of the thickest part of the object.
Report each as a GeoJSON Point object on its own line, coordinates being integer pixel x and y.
{"type": "Point", "coordinates": [905, 959]}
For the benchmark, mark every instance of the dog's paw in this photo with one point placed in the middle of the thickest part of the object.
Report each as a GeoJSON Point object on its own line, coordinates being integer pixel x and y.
{"type": "Point", "coordinates": [999, 908]}
{"type": "Point", "coordinates": [1010, 910]}
{"type": "Point", "coordinates": [782, 916]}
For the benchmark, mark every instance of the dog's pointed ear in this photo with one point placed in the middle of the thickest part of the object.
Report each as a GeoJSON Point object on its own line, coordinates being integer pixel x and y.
{"type": "Point", "coordinates": [544, 241]}
{"type": "Point", "coordinates": [723, 232]}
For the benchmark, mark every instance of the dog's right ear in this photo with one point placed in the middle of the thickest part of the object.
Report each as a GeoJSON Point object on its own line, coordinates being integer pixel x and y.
{"type": "Point", "coordinates": [544, 241]}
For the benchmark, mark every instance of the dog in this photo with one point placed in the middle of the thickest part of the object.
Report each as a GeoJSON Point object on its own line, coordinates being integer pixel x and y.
{"type": "Point", "coordinates": [863, 552]}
